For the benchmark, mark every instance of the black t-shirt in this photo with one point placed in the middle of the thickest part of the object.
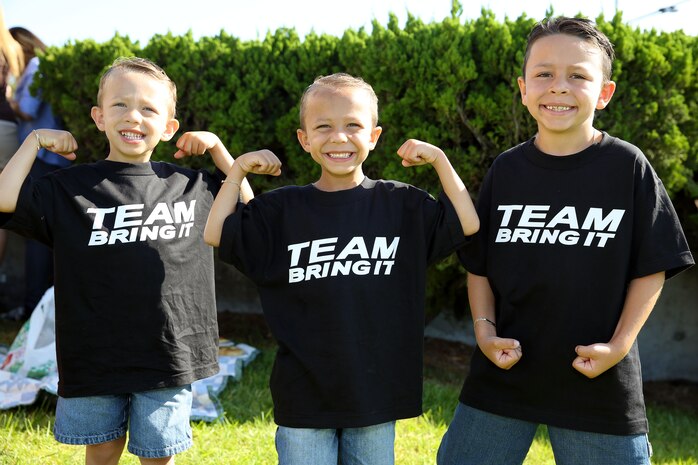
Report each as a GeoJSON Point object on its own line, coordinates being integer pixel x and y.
{"type": "Point", "coordinates": [341, 277]}
{"type": "Point", "coordinates": [134, 284]}
{"type": "Point", "coordinates": [560, 240]}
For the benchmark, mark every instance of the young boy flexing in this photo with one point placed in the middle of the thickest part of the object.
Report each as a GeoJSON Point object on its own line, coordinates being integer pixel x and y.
{"type": "Point", "coordinates": [340, 265]}
{"type": "Point", "coordinates": [578, 236]}
{"type": "Point", "coordinates": [135, 305]}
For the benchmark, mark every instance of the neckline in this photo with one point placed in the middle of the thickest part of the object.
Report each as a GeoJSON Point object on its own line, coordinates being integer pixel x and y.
{"type": "Point", "coordinates": [129, 169]}
{"type": "Point", "coordinates": [332, 198]}
{"type": "Point", "coordinates": [571, 161]}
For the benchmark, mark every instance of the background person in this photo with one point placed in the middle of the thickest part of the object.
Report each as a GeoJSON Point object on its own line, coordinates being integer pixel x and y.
{"type": "Point", "coordinates": [11, 68]}
{"type": "Point", "coordinates": [33, 113]}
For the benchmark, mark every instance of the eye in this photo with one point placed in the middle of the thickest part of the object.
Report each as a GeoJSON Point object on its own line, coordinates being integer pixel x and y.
{"type": "Point", "coordinates": [577, 76]}
{"type": "Point", "coordinates": [544, 74]}
{"type": "Point", "coordinates": [119, 104]}
{"type": "Point", "coordinates": [150, 109]}
{"type": "Point", "coordinates": [322, 126]}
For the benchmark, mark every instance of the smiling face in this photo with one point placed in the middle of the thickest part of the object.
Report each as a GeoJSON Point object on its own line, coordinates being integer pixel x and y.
{"type": "Point", "coordinates": [136, 113]}
{"type": "Point", "coordinates": [339, 132]}
{"type": "Point", "coordinates": [562, 87]}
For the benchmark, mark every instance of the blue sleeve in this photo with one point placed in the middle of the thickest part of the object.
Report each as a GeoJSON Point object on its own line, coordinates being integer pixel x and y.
{"type": "Point", "coordinates": [28, 104]}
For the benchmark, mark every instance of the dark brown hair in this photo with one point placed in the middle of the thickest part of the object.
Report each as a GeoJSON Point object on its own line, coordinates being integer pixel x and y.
{"type": "Point", "coordinates": [29, 41]}
{"type": "Point", "coordinates": [578, 27]}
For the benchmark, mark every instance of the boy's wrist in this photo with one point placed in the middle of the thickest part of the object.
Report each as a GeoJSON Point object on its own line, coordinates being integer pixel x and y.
{"type": "Point", "coordinates": [482, 319]}
{"type": "Point", "coordinates": [230, 181]}
{"type": "Point", "coordinates": [484, 331]}
{"type": "Point", "coordinates": [440, 157]}
{"type": "Point", "coordinates": [236, 174]}
{"type": "Point", "coordinates": [620, 345]}
{"type": "Point", "coordinates": [215, 149]}
{"type": "Point", "coordinates": [38, 140]}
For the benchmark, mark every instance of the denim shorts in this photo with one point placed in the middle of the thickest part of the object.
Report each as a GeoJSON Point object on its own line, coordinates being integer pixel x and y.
{"type": "Point", "coordinates": [371, 445]}
{"type": "Point", "coordinates": [157, 421]}
{"type": "Point", "coordinates": [476, 437]}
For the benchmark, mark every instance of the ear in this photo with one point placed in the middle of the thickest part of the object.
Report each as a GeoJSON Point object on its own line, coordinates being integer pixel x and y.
{"type": "Point", "coordinates": [98, 117]}
{"type": "Point", "coordinates": [170, 128]}
{"type": "Point", "coordinates": [303, 139]}
{"type": "Point", "coordinates": [375, 134]}
{"type": "Point", "coordinates": [605, 96]}
{"type": "Point", "coordinates": [522, 88]}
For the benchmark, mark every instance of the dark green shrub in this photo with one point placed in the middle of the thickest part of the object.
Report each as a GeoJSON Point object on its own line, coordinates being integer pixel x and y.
{"type": "Point", "coordinates": [452, 83]}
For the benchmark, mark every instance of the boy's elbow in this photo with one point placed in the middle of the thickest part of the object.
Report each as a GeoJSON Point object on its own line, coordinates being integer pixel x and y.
{"type": "Point", "coordinates": [471, 228]}
{"type": "Point", "coordinates": [7, 207]}
{"type": "Point", "coordinates": [211, 238]}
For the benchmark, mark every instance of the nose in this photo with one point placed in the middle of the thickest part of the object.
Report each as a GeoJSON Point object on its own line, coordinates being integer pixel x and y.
{"type": "Point", "coordinates": [132, 115]}
{"type": "Point", "coordinates": [339, 136]}
{"type": "Point", "coordinates": [559, 85]}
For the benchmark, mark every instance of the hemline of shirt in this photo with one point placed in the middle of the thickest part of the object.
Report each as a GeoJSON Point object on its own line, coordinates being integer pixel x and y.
{"type": "Point", "coordinates": [336, 420]}
{"type": "Point", "coordinates": [173, 381]}
{"type": "Point", "coordinates": [542, 417]}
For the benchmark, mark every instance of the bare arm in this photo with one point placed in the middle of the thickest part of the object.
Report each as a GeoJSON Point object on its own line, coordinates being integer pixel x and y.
{"type": "Point", "coordinates": [17, 169]}
{"type": "Point", "coordinates": [592, 360]}
{"type": "Point", "coordinates": [503, 352]}
{"type": "Point", "coordinates": [195, 143]}
{"type": "Point", "coordinates": [260, 162]}
{"type": "Point", "coordinates": [414, 152]}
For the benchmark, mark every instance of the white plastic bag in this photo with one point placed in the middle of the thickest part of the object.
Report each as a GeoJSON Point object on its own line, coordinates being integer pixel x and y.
{"type": "Point", "coordinates": [33, 352]}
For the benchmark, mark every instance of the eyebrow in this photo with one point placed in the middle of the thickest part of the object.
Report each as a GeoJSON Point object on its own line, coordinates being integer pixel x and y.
{"type": "Point", "coordinates": [343, 118]}
{"type": "Point", "coordinates": [552, 65]}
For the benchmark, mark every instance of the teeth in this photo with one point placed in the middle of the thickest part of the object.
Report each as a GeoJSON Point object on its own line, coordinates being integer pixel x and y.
{"type": "Point", "coordinates": [557, 108]}
{"type": "Point", "coordinates": [131, 135]}
{"type": "Point", "coordinates": [339, 155]}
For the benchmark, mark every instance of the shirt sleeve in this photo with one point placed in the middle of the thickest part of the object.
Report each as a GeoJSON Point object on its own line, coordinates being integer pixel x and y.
{"type": "Point", "coordinates": [30, 218]}
{"type": "Point", "coordinates": [212, 181]}
{"type": "Point", "coordinates": [473, 255]}
{"type": "Point", "coordinates": [28, 103]}
{"type": "Point", "coordinates": [246, 239]}
{"type": "Point", "coordinates": [447, 232]}
{"type": "Point", "coordinates": [659, 243]}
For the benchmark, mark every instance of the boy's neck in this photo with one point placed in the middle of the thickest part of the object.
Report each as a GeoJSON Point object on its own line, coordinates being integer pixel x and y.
{"type": "Point", "coordinates": [334, 184]}
{"type": "Point", "coordinates": [561, 145]}
{"type": "Point", "coordinates": [132, 160]}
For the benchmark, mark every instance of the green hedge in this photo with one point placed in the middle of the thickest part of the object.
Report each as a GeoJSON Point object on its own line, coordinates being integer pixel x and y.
{"type": "Point", "coordinates": [452, 83]}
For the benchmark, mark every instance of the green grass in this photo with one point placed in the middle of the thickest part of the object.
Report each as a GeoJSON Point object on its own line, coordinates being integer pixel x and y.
{"type": "Point", "coordinates": [246, 434]}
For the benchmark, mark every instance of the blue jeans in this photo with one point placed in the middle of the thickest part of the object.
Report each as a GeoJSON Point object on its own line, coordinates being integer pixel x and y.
{"type": "Point", "coordinates": [480, 438]}
{"type": "Point", "coordinates": [371, 445]}
{"type": "Point", "coordinates": [157, 421]}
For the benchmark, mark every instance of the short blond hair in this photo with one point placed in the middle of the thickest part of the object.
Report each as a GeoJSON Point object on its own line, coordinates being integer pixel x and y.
{"type": "Point", "coordinates": [143, 66]}
{"type": "Point", "coordinates": [335, 82]}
